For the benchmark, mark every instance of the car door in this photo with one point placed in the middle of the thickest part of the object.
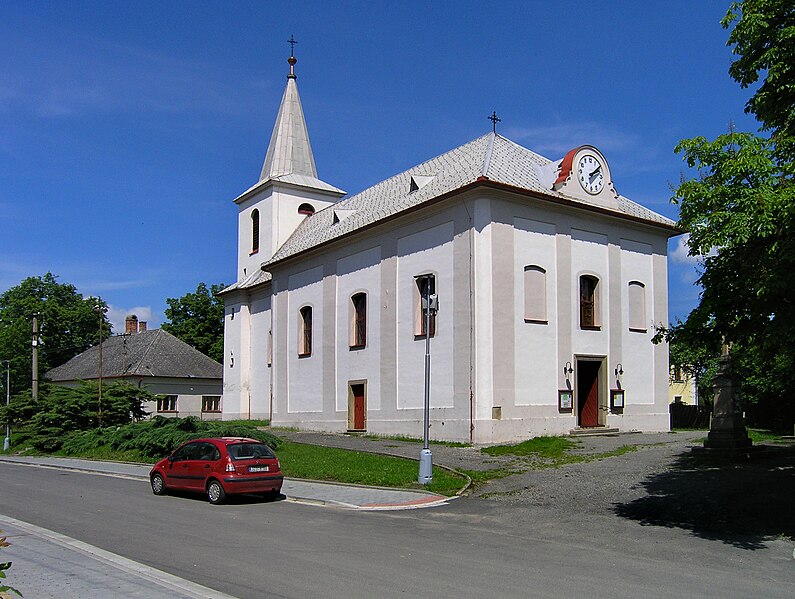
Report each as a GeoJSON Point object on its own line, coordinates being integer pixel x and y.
{"type": "Point", "coordinates": [182, 472]}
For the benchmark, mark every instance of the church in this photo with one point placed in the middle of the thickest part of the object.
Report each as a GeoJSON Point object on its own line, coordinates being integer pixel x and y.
{"type": "Point", "coordinates": [547, 281]}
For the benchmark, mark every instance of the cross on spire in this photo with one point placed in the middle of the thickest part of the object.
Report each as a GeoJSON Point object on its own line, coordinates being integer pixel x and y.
{"type": "Point", "coordinates": [292, 43]}
{"type": "Point", "coordinates": [494, 120]}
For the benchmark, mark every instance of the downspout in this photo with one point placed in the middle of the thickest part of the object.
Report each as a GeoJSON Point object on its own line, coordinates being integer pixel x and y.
{"type": "Point", "coordinates": [471, 328]}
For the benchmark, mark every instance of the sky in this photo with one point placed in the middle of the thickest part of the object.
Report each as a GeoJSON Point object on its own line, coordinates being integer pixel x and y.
{"type": "Point", "coordinates": [127, 129]}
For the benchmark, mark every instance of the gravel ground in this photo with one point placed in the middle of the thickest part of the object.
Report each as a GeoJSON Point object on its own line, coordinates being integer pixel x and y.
{"type": "Point", "coordinates": [741, 501]}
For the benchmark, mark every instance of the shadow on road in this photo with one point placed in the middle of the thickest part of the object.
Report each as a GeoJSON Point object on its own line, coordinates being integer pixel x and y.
{"type": "Point", "coordinates": [739, 501]}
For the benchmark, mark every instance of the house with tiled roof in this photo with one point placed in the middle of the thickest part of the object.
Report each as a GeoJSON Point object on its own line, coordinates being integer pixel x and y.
{"type": "Point", "coordinates": [185, 381]}
{"type": "Point", "coordinates": [545, 282]}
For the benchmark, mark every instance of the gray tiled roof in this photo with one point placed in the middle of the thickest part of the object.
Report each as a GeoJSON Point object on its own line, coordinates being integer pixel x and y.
{"type": "Point", "coordinates": [148, 353]}
{"type": "Point", "coordinates": [255, 278]}
{"type": "Point", "coordinates": [492, 156]}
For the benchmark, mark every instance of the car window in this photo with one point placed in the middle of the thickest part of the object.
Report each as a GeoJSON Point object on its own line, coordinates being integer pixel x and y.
{"type": "Point", "coordinates": [208, 452]}
{"type": "Point", "coordinates": [247, 451]}
{"type": "Point", "coordinates": [186, 452]}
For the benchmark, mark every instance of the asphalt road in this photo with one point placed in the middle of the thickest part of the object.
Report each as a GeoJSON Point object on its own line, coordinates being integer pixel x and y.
{"type": "Point", "coordinates": [472, 548]}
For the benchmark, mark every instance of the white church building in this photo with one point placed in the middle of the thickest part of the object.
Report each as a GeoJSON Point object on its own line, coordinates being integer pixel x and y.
{"type": "Point", "coordinates": [548, 284]}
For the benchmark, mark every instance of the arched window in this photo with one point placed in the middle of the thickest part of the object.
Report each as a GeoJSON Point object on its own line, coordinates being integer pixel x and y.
{"type": "Point", "coordinates": [358, 321]}
{"type": "Point", "coordinates": [637, 306]}
{"type": "Point", "coordinates": [535, 294]}
{"type": "Point", "coordinates": [589, 306]}
{"type": "Point", "coordinates": [307, 209]}
{"type": "Point", "coordinates": [305, 332]}
{"type": "Point", "coordinates": [254, 231]}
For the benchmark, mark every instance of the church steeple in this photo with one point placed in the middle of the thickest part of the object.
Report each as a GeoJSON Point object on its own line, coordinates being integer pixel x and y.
{"type": "Point", "coordinates": [289, 152]}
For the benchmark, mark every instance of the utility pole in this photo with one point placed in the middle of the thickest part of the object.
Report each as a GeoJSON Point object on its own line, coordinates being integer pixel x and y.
{"type": "Point", "coordinates": [430, 304]}
{"type": "Point", "coordinates": [7, 441]}
{"type": "Point", "coordinates": [35, 367]}
{"type": "Point", "coordinates": [100, 309]}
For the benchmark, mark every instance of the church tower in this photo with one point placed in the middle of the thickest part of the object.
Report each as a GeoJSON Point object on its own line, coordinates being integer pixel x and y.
{"type": "Point", "coordinates": [288, 189]}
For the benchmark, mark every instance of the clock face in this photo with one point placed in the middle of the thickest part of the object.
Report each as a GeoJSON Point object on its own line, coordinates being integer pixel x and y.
{"type": "Point", "coordinates": [591, 174]}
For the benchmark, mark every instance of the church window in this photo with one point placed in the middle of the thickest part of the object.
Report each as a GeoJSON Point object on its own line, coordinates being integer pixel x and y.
{"type": "Point", "coordinates": [535, 294]}
{"type": "Point", "coordinates": [358, 320]}
{"type": "Point", "coordinates": [307, 209]}
{"type": "Point", "coordinates": [305, 332]}
{"type": "Point", "coordinates": [254, 231]}
{"type": "Point", "coordinates": [424, 287]}
{"type": "Point", "coordinates": [589, 306]}
{"type": "Point", "coordinates": [637, 307]}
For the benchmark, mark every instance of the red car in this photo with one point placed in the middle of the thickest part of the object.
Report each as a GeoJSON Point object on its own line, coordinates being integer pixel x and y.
{"type": "Point", "coordinates": [219, 467]}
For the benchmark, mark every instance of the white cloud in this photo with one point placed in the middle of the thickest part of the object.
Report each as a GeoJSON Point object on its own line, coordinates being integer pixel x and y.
{"type": "Point", "coordinates": [555, 140]}
{"type": "Point", "coordinates": [680, 252]}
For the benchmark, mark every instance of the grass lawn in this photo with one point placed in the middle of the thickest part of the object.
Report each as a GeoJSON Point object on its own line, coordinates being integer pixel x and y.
{"type": "Point", "coordinates": [299, 460]}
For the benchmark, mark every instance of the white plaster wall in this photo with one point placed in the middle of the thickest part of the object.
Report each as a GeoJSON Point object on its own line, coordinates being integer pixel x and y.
{"type": "Point", "coordinates": [305, 375]}
{"type": "Point", "coordinates": [483, 285]}
{"type": "Point", "coordinates": [637, 357]}
{"type": "Point", "coordinates": [360, 272]}
{"type": "Point", "coordinates": [589, 256]}
{"type": "Point", "coordinates": [428, 251]}
{"type": "Point", "coordinates": [535, 350]}
{"type": "Point", "coordinates": [235, 385]}
{"type": "Point", "coordinates": [248, 263]}
{"type": "Point", "coordinates": [286, 200]}
{"type": "Point", "coordinates": [259, 371]}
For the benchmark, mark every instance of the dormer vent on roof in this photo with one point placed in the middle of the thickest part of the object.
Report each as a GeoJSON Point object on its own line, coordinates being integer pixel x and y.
{"type": "Point", "coordinates": [340, 215]}
{"type": "Point", "coordinates": [419, 181]}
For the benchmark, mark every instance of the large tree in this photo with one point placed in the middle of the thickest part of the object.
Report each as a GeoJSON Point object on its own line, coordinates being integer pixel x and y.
{"type": "Point", "coordinates": [198, 319]}
{"type": "Point", "coordinates": [68, 324]}
{"type": "Point", "coordinates": [740, 209]}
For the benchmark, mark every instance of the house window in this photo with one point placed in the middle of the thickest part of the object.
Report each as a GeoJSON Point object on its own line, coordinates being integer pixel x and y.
{"type": "Point", "coordinates": [211, 403]}
{"type": "Point", "coordinates": [637, 307]}
{"type": "Point", "coordinates": [589, 302]}
{"type": "Point", "coordinates": [678, 376]}
{"type": "Point", "coordinates": [358, 320]}
{"type": "Point", "coordinates": [305, 332]}
{"type": "Point", "coordinates": [425, 286]}
{"type": "Point", "coordinates": [306, 209]}
{"type": "Point", "coordinates": [167, 403]}
{"type": "Point", "coordinates": [535, 294]}
{"type": "Point", "coordinates": [254, 231]}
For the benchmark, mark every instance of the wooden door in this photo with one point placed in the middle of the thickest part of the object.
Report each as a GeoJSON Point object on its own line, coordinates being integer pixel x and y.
{"type": "Point", "coordinates": [588, 393]}
{"type": "Point", "coordinates": [357, 391]}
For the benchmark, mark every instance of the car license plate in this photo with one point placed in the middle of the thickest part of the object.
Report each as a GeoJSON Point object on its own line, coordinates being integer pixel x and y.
{"type": "Point", "coordinates": [258, 468]}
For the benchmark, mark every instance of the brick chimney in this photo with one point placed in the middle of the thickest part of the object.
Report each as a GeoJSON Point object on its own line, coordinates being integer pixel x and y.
{"type": "Point", "coordinates": [141, 326]}
{"type": "Point", "coordinates": [131, 325]}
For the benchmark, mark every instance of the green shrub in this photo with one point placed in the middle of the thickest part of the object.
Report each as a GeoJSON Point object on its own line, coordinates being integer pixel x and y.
{"type": "Point", "coordinates": [158, 437]}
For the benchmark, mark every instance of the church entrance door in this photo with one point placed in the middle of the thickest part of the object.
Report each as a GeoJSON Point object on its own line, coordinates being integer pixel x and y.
{"type": "Point", "coordinates": [357, 407]}
{"type": "Point", "coordinates": [588, 393]}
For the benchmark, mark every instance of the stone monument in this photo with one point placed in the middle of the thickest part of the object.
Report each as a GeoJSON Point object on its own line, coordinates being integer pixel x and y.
{"type": "Point", "coordinates": [727, 429]}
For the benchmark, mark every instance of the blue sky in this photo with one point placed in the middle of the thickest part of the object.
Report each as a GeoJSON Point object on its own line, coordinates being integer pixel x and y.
{"type": "Point", "coordinates": [127, 129]}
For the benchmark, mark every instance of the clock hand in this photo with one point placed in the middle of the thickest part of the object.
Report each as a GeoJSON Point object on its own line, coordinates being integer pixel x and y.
{"type": "Point", "coordinates": [594, 174]}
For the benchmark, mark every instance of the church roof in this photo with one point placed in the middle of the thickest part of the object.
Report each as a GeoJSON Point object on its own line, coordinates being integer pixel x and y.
{"type": "Point", "coordinates": [491, 158]}
{"type": "Point", "coordinates": [289, 158]}
{"type": "Point", "coordinates": [148, 353]}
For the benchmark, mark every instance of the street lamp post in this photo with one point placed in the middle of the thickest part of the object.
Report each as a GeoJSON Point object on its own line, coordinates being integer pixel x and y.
{"type": "Point", "coordinates": [430, 304]}
{"type": "Point", "coordinates": [7, 440]}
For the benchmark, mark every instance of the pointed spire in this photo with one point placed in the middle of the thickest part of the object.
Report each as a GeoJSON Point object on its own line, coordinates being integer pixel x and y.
{"type": "Point", "coordinates": [289, 151]}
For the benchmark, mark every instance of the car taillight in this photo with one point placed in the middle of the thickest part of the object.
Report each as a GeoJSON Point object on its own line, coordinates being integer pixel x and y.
{"type": "Point", "coordinates": [230, 467]}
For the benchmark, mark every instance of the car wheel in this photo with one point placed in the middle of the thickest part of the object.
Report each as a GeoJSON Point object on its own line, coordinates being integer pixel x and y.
{"type": "Point", "coordinates": [215, 492]}
{"type": "Point", "coordinates": [158, 484]}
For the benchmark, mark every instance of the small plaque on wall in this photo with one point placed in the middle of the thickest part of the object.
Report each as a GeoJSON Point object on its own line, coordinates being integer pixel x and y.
{"type": "Point", "coordinates": [565, 400]}
{"type": "Point", "coordinates": [617, 400]}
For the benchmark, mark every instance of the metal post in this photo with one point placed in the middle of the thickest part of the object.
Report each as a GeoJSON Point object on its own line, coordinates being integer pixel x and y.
{"type": "Point", "coordinates": [35, 363]}
{"type": "Point", "coordinates": [426, 457]}
{"type": "Point", "coordinates": [7, 441]}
